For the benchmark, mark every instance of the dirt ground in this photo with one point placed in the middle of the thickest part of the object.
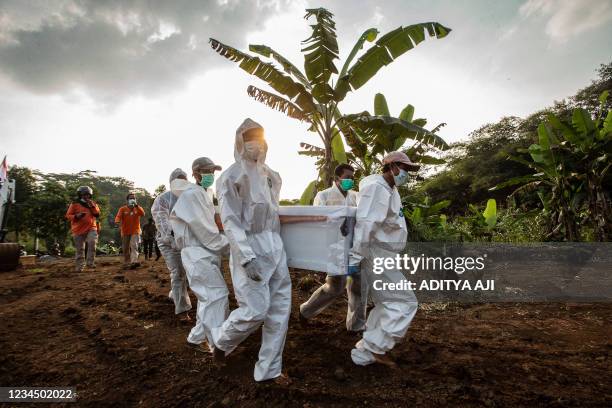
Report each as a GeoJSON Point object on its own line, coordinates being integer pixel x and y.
{"type": "Point", "coordinates": [113, 335]}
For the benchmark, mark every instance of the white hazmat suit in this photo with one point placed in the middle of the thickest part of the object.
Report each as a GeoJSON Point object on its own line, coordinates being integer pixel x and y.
{"type": "Point", "coordinates": [201, 245]}
{"type": "Point", "coordinates": [248, 194]}
{"type": "Point", "coordinates": [334, 286]}
{"type": "Point", "coordinates": [160, 211]}
{"type": "Point", "coordinates": [381, 232]}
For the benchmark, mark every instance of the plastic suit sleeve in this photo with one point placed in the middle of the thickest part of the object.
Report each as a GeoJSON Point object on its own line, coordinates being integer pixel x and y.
{"type": "Point", "coordinates": [160, 211]}
{"type": "Point", "coordinates": [318, 200]}
{"type": "Point", "coordinates": [230, 204]}
{"type": "Point", "coordinates": [191, 210]}
{"type": "Point", "coordinates": [371, 213]}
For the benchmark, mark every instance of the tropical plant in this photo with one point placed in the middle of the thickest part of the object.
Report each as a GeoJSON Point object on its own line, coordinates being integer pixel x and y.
{"type": "Point", "coordinates": [476, 225]}
{"type": "Point", "coordinates": [571, 160]}
{"type": "Point", "coordinates": [382, 133]}
{"type": "Point", "coordinates": [314, 96]}
{"type": "Point", "coordinates": [424, 220]}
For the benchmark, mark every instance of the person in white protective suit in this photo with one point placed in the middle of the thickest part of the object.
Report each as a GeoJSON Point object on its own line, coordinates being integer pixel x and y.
{"type": "Point", "coordinates": [201, 244]}
{"type": "Point", "coordinates": [340, 194]}
{"type": "Point", "coordinates": [381, 232]}
{"type": "Point", "coordinates": [160, 211]}
{"type": "Point", "coordinates": [248, 194]}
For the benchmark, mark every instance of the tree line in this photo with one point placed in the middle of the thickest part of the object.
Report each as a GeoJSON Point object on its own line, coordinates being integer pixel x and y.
{"type": "Point", "coordinates": [41, 201]}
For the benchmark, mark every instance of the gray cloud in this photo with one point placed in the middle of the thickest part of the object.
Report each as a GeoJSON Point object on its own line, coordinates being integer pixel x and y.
{"type": "Point", "coordinates": [114, 49]}
{"type": "Point", "coordinates": [566, 18]}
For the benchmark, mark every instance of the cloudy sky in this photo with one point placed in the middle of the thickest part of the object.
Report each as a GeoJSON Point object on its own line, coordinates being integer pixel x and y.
{"type": "Point", "coordinates": [131, 88]}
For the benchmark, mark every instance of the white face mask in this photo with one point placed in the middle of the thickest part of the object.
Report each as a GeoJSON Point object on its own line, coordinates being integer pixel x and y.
{"type": "Point", "coordinates": [401, 178]}
{"type": "Point", "coordinates": [253, 149]}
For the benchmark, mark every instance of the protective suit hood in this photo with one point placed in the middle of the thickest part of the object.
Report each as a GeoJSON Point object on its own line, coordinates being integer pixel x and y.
{"type": "Point", "coordinates": [176, 173]}
{"type": "Point", "coordinates": [177, 186]}
{"type": "Point", "coordinates": [239, 152]}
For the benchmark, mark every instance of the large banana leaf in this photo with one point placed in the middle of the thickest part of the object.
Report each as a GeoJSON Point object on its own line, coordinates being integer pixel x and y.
{"type": "Point", "coordinates": [407, 113]}
{"type": "Point", "coordinates": [276, 102]}
{"type": "Point", "coordinates": [440, 205]}
{"type": "Point", "coordinates": [268, 73]}
{"type": "Point", "coordinates": [514, 181]}
{"type": "Point", "coordinates": [390, 128]}
{"type": "Point", "coordinates": [380, 105]}
{"type": "Point", "coordinates": [358, 147]}
{"type": "Point", "coordinates": [320, 49]}
{"type": "Point", "coordinates": [286, 64]}
{"type": "Point", "coordinates": [607, 129]}
{"type": "Point", "coordinates": [490, 213]}
{"type": "Point", "coordinates": [581, 119]}
{"type": "Point", "coordinates": [426, 159]}
{"type": "Point", "coordinates": [368, 35]}
{"type": "Point", "coordinates": [311, 150]}
{"type": "Point", "coordinates": [338, 147]}
{"type": "Point", "coordinates": [386, 50]}
{"type": "Point", "coordinates": [568, 132]}
{"type": "Point", "coordinates": [308, 194]}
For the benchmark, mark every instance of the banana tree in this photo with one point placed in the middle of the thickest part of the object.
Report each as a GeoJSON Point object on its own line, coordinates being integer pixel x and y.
{"type": "Point", "coordinates": [372, 136]}
{"type": "Point", "coordinates": [572, 160]}
{"type": "Point", "coordinates": [313, 96]}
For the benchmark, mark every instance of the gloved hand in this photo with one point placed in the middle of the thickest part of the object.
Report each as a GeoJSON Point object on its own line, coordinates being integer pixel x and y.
{"type": "Point", "coordinates": [353, 269]}
{"type": "Point", "coordinates": [253, 270]}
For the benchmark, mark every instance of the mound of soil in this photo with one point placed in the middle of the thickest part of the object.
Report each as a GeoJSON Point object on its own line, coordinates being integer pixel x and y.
{"type": "Point", "coordinates": [113, 335]}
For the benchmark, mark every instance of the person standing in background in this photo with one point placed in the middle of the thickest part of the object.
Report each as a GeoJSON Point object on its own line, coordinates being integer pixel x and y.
{"type": "Point", "coordinates": [83, 216]}
{"type": "Point", "coordinates": [128, 217]}
{"type": "Point", "coordinates": [149, 231]}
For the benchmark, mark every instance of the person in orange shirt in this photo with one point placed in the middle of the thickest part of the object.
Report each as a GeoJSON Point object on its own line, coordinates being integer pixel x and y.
{"type": "Point", "coordinates": [129, 218]}
{"type": "Point", "coordinates": [83, 215]}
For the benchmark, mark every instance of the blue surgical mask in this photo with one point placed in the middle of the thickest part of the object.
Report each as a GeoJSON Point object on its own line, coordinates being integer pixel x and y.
{"type": "Point", "coordinates": [207, 180]}
{"type": "Point", "coordinates": [401, 178]}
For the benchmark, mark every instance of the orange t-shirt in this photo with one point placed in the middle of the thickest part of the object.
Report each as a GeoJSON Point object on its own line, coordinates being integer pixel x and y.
{"type": "Point", "coordinates": [87, 222]}
{"type": "Point", "coordinates": [129, 218]}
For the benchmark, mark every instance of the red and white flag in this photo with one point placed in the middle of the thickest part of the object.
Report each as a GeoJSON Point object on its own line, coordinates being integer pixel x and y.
{"type": "Point", "coordinates": [4, 170]}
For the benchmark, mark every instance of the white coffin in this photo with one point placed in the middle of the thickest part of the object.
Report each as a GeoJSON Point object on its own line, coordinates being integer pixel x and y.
{"type": "Point", "coordinates": [317, 245]}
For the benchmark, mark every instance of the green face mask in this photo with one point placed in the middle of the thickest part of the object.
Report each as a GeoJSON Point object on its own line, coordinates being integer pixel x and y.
{"type": "Point", "coordinates": [207, 180]}
{"type": "Point", "coordinates": [347, 184]}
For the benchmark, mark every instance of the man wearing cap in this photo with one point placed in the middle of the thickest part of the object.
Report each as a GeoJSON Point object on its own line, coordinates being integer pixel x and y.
{"type": "Point", "coordinates": [197, 236]}
{"type": "Point", "coordinates": [381, 232]}
{"type": "Point", "coordinates": [160, 211]}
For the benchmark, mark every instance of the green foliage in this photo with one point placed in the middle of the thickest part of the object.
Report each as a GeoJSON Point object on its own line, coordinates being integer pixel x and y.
{"type": "Point", "coordinates": [159, 190]}
{"type": "Point", "coordinates": [425, 220]}
{"type": "Point", "coordinates": [309, 193]}
{"type": "Point", "coordinates": [474, 166]}
{"type": "Point", "coordinates": [371, 137]}
{"type": "Point", "coordinates": [571, 161]}
{"type": "Point", "coordinates": [43, 199]}
{"type": "Point", "coordinates": [479, 163]}
{"type": "Point", "coordinates": [490, 213]}
{"type": "Point", "coordinates": [313, 96]}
